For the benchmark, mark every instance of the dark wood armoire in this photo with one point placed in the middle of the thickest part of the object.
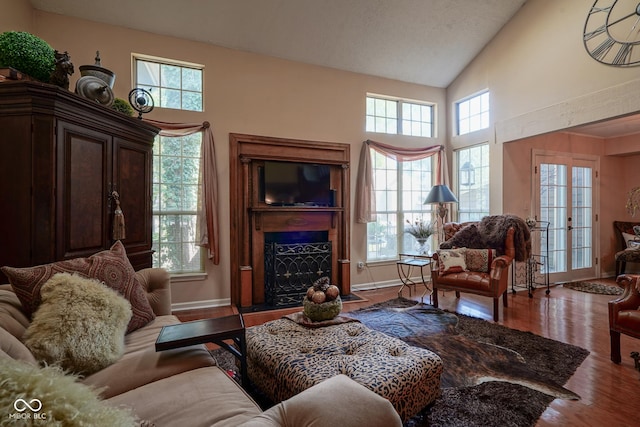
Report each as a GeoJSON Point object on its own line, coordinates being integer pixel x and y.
{"type": "Point", "coordinates": [61, 158]}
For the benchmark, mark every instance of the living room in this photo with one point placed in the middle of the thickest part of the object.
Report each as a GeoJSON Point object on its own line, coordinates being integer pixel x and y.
{"type": "Point", "coordinates": [542, 83]}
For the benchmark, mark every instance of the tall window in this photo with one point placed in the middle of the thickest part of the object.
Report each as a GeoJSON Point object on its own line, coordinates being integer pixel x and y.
{"type": "Point", "coordinates": [396, 116]}
{"type": "Point", "coordinates": [176, 167]}
{"type": "Point", "coordinates": [473, 113]}
{"type": "Point", "coordinates": [400, 190]}
{"type": "Point", "coordinates": [473, 182]}
{"type": "Point", "coordinates": [171, 84]}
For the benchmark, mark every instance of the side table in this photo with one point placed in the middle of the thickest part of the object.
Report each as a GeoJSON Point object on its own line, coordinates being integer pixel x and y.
{"type": "Point", "coordinates": [405, 266]}
{"type": "Point", "coordinates": [215, 331]}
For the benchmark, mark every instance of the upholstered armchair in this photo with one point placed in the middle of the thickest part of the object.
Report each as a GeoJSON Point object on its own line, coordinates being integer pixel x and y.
{"type": "Point", "coordinates": [624, 314]}
{"type": "Point", "coordinates": [628, 252]}
{"type": "Point", "coordinates": [493, 282]}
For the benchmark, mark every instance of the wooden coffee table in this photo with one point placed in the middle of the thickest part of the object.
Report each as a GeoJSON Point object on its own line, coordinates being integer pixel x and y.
{"type": "Point", "coordinates": [216, 331]}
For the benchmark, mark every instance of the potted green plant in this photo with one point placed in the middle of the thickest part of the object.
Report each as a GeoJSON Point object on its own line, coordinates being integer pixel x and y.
{"type": "Point", "coordinates": [122, 106]}
{"type": "Point", "coordinates": [28, 54]}
{"type": "Point", "coordinates": [421, 230]}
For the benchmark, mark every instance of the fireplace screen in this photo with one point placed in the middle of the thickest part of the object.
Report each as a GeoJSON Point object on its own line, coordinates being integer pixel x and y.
{"type": "Point", "coordinates": [291, 268]}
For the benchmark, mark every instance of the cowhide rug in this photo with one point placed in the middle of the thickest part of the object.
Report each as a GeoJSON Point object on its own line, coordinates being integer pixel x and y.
{"type": "Point", "coordinates": [493, 375]}
{"type": "Point", "coordinates": [467, 361]}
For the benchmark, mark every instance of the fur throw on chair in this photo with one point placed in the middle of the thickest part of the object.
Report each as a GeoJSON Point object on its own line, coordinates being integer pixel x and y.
{"type": "Point", "coordinates": [491, 232]}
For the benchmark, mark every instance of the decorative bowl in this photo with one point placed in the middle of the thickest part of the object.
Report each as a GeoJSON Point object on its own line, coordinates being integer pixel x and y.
{"type": "Point", "coordinates": [319, 312]}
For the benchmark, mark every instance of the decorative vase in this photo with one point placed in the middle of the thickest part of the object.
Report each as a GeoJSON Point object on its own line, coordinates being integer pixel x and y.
{"type": "Point", "coordinates": [423, 245]}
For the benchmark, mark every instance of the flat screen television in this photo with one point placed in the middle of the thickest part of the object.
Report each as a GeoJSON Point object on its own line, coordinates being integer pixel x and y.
{"type": "Point", "coordinates": [295, 184]}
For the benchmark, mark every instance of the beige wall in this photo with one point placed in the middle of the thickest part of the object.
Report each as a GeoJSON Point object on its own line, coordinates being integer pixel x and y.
{"type": "Point", "coordinates": [16, 15]}
{"type": "Point", "coordinates": [542, 80]}
{"type": "Point", "coordinates": [537, 70]}
{"type": "Point", "coordinates": [247, 93]}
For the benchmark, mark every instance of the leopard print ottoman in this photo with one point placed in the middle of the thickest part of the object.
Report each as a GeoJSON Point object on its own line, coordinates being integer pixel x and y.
{"type": "Point", "coordinates": [285, 358]}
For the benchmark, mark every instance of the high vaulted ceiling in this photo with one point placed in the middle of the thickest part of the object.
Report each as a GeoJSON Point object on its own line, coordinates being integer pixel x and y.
{"type": "Point", "coordinates": [419, 41]}
{"type": "Point", "coordinates": [427, 42]}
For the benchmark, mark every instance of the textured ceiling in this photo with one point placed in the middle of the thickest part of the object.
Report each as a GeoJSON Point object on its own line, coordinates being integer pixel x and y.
{"type": "Point", "coordinates": [420, 41]}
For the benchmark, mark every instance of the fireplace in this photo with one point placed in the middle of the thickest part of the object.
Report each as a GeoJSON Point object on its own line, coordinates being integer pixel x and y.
{"type": "Point", "coordinates": [279, 250]}
{"type": "Point", "coordinates": [292, 262]}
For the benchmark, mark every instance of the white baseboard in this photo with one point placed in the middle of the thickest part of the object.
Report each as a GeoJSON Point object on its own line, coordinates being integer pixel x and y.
{"type": "Point", "coordinates": [198, 305]}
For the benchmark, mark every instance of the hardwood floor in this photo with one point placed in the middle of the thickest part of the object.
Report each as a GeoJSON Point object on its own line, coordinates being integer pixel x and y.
{"type": "Point", "coordinates": [610, 393]}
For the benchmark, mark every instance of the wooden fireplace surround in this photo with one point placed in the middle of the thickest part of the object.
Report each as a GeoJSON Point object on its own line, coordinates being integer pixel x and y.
{"type": "Point", "coordinates": [251, 218]}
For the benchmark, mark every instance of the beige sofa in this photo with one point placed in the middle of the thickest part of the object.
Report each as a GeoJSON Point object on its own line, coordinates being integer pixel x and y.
{"type": "Point", "coordinates": [185, 387]}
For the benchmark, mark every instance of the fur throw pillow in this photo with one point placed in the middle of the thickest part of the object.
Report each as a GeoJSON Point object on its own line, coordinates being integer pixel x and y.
{"type": "Point", "coordinates": [55, 397]}
{"type": "Point", "coordinates": [79, 325]}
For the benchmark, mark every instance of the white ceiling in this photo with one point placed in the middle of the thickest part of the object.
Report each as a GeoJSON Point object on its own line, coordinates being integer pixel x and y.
{"type": "Point", "coordinates": [420, 41]}
{"type": "Point", "coordinates": [427, 42]}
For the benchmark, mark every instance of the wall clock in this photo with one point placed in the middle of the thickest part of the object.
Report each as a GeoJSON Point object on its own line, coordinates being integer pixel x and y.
{"type": "Point", "coordinates": [612, 32]}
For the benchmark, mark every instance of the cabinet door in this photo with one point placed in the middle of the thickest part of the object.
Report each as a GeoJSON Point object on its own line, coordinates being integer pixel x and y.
{"type": "Point", "coordinates": [83, 183]}
{"type": "Point", "coordinates": [132, 180]}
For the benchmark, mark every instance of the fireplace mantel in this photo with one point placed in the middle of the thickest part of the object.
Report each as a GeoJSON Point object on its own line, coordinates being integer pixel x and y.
{"type": "Point", "coordinates": [251, 218]}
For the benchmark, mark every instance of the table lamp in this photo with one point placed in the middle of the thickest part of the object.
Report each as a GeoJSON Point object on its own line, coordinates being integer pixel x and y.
{"type": "Point", "coordinates": [440, 194]}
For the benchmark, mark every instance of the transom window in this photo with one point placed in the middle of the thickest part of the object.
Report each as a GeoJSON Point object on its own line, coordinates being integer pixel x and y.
{"type": "Point", "coordinates": [397, 116]}
{"type": "Point", "coordinates": [473, 182]}
{"type": "Point", "coordinates": [400, 190]}
{"type": "Point", "coordinates": [176, 170]}
{"type": "Point", "coordinates": [473, 113]}
{"type": "Point", "coordinates": [171, 84]}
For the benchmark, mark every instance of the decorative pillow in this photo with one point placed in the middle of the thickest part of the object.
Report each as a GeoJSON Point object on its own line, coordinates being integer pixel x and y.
{"type": "Point", "coordinates": [56, 398]}
{"type": "Point", "coordinates": [79, 325]}
{"type": "Point", "coordinates": [632, 241]}
{"type": "Point", "coordinates": [111, 267]}
{"type": "Point", "coordinates": [451, 261]}
{"type": "Point", "coordinates": [479, 259]}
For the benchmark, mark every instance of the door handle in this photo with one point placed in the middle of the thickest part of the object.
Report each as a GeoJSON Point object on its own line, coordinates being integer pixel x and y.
{"type": "Point", "coordinates": [569, 228]}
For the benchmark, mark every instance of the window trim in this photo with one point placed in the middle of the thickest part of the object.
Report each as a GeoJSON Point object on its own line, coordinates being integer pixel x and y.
{"type": "Point", "coordinates": [400, 215]}
{"type": "Point", "coordinates": [456, 110]}
{"type": "Point", "coordinates": [399, 103]}
{"type": "Point", "coordinates": [135, 57]}
{"type": "Point", "coordinates": [457, 175]}
{"type": "Point", "coordinates": [178, 212]}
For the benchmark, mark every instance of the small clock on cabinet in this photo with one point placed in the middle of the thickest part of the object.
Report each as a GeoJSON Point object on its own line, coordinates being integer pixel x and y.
{"type": "Point", "coordinates": [612, 32]}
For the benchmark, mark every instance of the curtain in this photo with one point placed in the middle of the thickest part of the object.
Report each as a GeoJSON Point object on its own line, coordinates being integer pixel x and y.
{"type": "Point", "coordinates": [207, 230]}
{"type": "Point", "coordinates": [365, 199]}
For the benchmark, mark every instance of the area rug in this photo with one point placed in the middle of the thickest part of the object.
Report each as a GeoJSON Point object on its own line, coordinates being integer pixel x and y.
{"type": "Point", "coordinates": [594, 288]}
{"type": "Point", "coordinates": [493, 375]}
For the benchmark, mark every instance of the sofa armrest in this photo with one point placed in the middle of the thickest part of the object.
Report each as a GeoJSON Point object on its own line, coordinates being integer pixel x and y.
{"type": "Point", "coordinates": [337, 401]}
{"type": "Point", "coordinates": [157, 285]}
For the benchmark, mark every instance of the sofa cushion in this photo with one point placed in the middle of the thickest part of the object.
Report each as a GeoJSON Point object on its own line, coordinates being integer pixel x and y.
{"type": "Point", "coordinates": [55, 396]}
{"type": "Point", "coordinates": [451, 261]}
{"type": "Point", "coordinates": [201, 397]}
{"type": "Point", "coordinates": [142, 364]}
{"type": "Point", "coordinates": [15, 349]}
{"type": "Point", "coordinates": [80, 324]}
{"type": "Point", "coordinates": [479, 259]}
{"type": "Point", "coordinates": [111, 267]}
{"type": "Point", "coordinates": [352, 405]}
{"type": "Point", "coordinates": [12, 317]}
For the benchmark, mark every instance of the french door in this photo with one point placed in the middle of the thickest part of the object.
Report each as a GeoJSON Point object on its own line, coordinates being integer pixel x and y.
{"type": "Point", "coordinates": [565, 192]}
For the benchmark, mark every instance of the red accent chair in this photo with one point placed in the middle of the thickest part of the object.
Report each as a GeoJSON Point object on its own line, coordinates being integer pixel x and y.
{"type": "Point", "coordinates": [624, 314]}
{"type": "Point", "coordinates": [493, 284]}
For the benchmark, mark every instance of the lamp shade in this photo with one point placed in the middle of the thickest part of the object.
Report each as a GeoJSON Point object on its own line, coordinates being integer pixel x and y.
{"type": "Point", "coordinates": [440, 194]}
